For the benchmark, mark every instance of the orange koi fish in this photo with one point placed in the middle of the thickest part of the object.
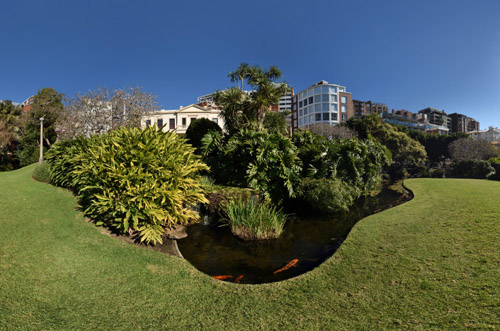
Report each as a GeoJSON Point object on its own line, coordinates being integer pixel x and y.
{"type": "Point", "coordinates": [240, 277]}
{"type": "Point", "coordinates": [288, 266]}
{"type": "Point", "coordinates": [224, 277]}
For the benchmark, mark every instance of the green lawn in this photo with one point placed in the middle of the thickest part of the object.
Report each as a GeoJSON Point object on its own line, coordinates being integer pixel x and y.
{"type": "Point", "coordinates": [433, 262]}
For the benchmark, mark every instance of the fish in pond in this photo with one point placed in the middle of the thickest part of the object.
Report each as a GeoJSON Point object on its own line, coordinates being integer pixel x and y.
{"type": "Point", "coordinates": [240, 277]}
{"type": "Point", "coordinates": [288, 266]}
{"type": "Point", "coordinates": [223, 277]}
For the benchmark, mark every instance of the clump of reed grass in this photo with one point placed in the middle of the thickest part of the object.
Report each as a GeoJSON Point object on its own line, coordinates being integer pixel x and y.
{"type": "Point", "coordinates": [252, 219]}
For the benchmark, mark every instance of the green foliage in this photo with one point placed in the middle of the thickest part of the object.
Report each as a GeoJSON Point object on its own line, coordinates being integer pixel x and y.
{"type": "Point", "coordinates": [407, 153]}
{"type": "Point", "coordinates": [265, 162]}
{"type": "Point", "coordinates": [42, 173]}
{"type": "Point", "coordinates": [436, 146]}
{"type": "Point", "coordinates": [240, 109]}
{"type": "Point", "coordinates": [275, 122]}
{"type": "Point", "coordinates": [469, 149]}
{"type": "Point", "coordinates": [495, 163]}
{"type": "Point", "coordinates": [436, 173]}
{"type": "Point", "coordinates": [199, 128]}
{"type": "Point", "coordinates": [252, 219]}
{"type": "Point", "coordinates": [135, 181]}
{"type": "Point", "coordinates": [479, 169]}
{"type": "Point", "coordinates": [327, 196]}
{"type": "Point", "coordinates": [47, 104]}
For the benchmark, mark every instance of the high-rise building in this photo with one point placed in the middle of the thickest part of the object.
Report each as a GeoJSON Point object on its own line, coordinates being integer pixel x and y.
{"type": "Point", "coordinates": [462, 123]}
{"type": "Point", "coordinates": [436, 116]}
{"type": "Point", "coordinates": [321, 103]}
{"type": "Point", "coordinates": [362, 108]}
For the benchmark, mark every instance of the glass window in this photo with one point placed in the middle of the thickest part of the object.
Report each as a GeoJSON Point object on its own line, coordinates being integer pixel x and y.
{"type": "Point", "coordinates": [301, 122]}
{"type": "Point", "coordinates": [159, 122]}
{"type": "Point", "coordinates": [215, 120]}
{"type": "Point", "coordinates": [300, 103]}
{"type": "Point", "coordinates": [310, 100]}
{"type": "Point", "coordinates": [343, 99]}
{"type": "Point", "coordinates": [171, 123]}
{"type": "Point", "coordinates": [344, 108]}
{"type": "Point", "coordinates": [311, 118]}
{"type": "Point", "coordinates": [301, 112]}
{"type": "Point", "coordinates": [326, 116]}
{"type": "Point", "coordinates": [317, 90]}
{"type": "Point", "coordinates": [334, 116]}
{"type": "Point", "coordinates": [333, 89]}
{"type": "Point", "coordinates": [344, 117]}
{"type": "Point", "coordinates": [317, 98]}
{"type": "Point", "coordinates": [334, 97]}
{"type": "Point", "coordinates": [325, 106]}
{"type": "Point", "coordinates": [305, 102]}
{"type": "Point", "coordinates": [148, 124]}
{"type": "Point", "coordinates": [317, 108]}
{"type": "Point", "coordinates": [334, 107]}
{"type": "Point", "coordinates": [184, 121]}
{"type": "Point", "coordinates": [325, 89]}
{"type": "Point", "coordinates": [341, 89]}
{"type": "Point", "coordinates": [324, 98]}
{"type": "Point", "coordinates": [318, 117]}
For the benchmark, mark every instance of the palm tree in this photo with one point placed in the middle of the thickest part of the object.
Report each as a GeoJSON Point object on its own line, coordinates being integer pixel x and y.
{"type": "Point", "coordinates": [240, 74]}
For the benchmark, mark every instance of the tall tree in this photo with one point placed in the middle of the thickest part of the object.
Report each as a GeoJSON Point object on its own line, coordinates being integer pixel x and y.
{"type": "Point", "coordinates": [47, 103]}
{"type": "Point", "coordinates": [99, 111]}
{"type": "Point", "coordinates": [240, 109]}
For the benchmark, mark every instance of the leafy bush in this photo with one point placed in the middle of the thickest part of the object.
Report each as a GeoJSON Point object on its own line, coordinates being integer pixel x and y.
{"type": "Point", "coordinates": [254, 220]}
{"type": "Point", "coordinates": [495, 163]}
{"type": "Point", "coordinates": [63, 160]}
{"type": "Point", "coordinates": [42, 173]}
{"type": "Point", "coordinates": [436, 173]}
{"type": "Point", "coordinates": [479, 169]}
{"type": "Point", "coordinates": [265, 162]}
{"type": "Point", "coordinates": [327, 196]}
{"type": "Point", "coordinates": [135, 181]}
{"type": "Point", "coordinates": [198, 128]}
{"type": "Point", "coordinates": [220, 196]}
{"type": "Point", "coordinates": [469, 149]}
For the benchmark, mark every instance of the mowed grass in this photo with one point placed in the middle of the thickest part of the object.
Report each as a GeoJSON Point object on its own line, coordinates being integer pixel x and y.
{"type": "Point", "coordinates": [433, 262]}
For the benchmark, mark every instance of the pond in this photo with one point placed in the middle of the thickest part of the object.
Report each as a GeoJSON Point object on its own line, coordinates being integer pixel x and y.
{"type": "Point", "coordinates": [305, 243]}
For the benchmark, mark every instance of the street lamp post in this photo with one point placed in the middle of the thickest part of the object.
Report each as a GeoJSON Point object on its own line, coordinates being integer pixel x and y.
{"type": "Point", "coordinates": [41, 141]}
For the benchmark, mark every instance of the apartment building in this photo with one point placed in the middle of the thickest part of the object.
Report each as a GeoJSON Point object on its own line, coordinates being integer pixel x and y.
{"type": "Point", "coordinates": [179, 119]}
{"type": "Point", "coordinates": [462, 123]}
{"type": "Point", "coordinates": [492, 134]}
{"type": "Point", "coordinates": [321, 103]}
{"type": "Point", "coordinates": [436, 117]}
{"type": "Point", "coordinates": [363, 108]}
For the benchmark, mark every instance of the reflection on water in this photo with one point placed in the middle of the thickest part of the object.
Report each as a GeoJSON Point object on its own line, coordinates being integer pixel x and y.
{"type": "Point", "coordinates": [215, 251]}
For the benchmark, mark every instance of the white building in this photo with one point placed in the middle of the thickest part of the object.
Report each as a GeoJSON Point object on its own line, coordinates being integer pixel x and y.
{"type": "Point", "coordinates": [491, 135]}
{"type": "Point", "coordinates": [322, 103]}
{"type": "Point", "coordinates": [179, 119]}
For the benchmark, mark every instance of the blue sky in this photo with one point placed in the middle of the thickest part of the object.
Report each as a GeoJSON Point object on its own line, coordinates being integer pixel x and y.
{"type": "Point", "coordinates": [408, 54]}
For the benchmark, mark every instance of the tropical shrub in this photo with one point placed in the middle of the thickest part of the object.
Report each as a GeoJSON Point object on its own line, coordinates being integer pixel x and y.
{"type": "Point", "coordinates": [198, 128]}
{"type": "Point", "coordinates": [259, 160]}
{"type": "Point", "coordinates": [254, 220]}
{"type": "Point", "coordinates": [42, 173]}
{"type": "Point", "coordinates": [135, 181]}
{"type": "Point", "coordinates": [479, 169]}
{"type": "Point", "coordinates": [327, 196]}
{"type": "Point", "coordinates": [63, 160]}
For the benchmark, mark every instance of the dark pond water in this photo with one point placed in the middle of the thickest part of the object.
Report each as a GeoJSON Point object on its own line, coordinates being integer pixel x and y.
{"type": "Point", "coordinates": [308, 241]}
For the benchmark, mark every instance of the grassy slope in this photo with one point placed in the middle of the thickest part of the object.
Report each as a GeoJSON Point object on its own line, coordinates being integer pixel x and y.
{"type": "Point", "coordinates": [432, 262]}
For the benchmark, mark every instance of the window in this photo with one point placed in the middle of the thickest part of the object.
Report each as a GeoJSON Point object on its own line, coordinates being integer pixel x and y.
{"type": "Point", "coordinates": [344, 108]}
{"type": "Point", "coordinates": [301, 113]}
{"type": "Point", "coordinates": [215, 120]}
{"type": "Point", "coordinates": [318, 117]}
{"type": "Point", "coordinates": [341, 89]}
{"type": "Point", "coordinates": [171, 123]}
{"type": "Point", "coordinates": [343, 99]}
{"type": "Point", "coordinates": [305, 102]}
{"type": "Point", "coordinates": [300, 103]}
{"type": "Point", "coordinates": [317, 108]}
{"type": "Point", "coordinates": [333, 89]}
{"type": "Point", "coordinates": [317, 90]}
{"type": "Point", "coordinates": [334, 116]}
{"type": "Point", "coordinates": [311, 100]}
{"type": "Point", "coordinates": [324, 89]}
{"type": "Point", "coordinates": [317, 98]}
{"type": "Point", "coordinates": [184, 120]}
{"type": "Point", "coordinates": [148, 123]}
{"type": "Point", "coordinates": [324, 98]}
{"type": "Point", "coordinates": [344, 117]}
{"type": "Point", "coordinates": [326, 116]}
{"type": "Point", "coordinates": [159, 122]}
{"type": "Point", "coordinates": [334, 106]}
{"type": "Point", "coordinates": [305, 110]}
{"type": "Point", "coordinates": [325, 107]}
